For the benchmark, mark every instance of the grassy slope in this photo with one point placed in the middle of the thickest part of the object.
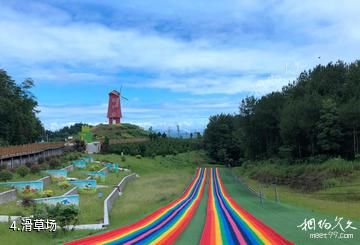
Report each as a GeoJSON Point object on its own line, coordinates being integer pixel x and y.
{"type": "Point", "coordinates": [118, 131]}
{"type": "Point", "coordinates": [160, 182]}
{"type": "Point", "coordinates": [333, 204]}
{"type": "Point", "coordinates": [91, 206]}
{"type": "Point", "coordinates": [282, 217]}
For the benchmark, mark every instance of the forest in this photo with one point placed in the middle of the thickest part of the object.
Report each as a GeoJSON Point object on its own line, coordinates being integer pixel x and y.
{"type": "Point", "coordinates": [315, 117]}
{"type": "Point", "coordinates": [19, 123]}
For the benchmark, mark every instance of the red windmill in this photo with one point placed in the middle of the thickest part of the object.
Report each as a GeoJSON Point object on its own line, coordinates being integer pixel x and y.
{"type": "Point", "coordinates": [114, 108]}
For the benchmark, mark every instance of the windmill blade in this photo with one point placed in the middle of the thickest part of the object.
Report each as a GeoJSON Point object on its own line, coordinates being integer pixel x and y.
{"type": "Point", "coordinates": [124, 98]}
{"type": "Point", "coordinates": [120, 88]}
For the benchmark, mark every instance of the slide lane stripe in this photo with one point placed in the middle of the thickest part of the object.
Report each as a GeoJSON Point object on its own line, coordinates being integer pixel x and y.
{"type": "Point", "coordinates": [162, 226]}
{"type": "Point", "coordinates": [228, 223]}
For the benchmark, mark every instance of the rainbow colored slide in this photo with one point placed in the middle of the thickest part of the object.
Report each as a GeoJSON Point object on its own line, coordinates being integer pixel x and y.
{"type": "Point", "coordinates": [227, 223]}
{"type": "Point", "coordinates": [160, 227]}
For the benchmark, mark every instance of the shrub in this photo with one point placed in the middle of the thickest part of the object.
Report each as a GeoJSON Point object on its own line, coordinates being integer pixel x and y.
{"type": "Point", "coordinates": [54, 163]}
{"type": "Point", "coordinates": [5, 175]}
{"type": "Point", "coordinates": [63, 214]}
{"type": "Point", "coordinates": [22, 171]}
{"type": "Point", "coordinates": [94, 167]}
{"type": "Point", "coordinates": [41, 160]}
{"type": "Point", "coordinates": [27, 200]}
{"type": "Point", "coordinates": [12, 170]}
{"type": "Point", "coordinates": [123, 158]}
{"type": "Point", "coordinates": [35, 169]}
{"type": "Point", "coordinates": [47, 193]}
{"type": "Point", "coordinates": [331, 183]}
{"type": "Point", "coordinates": [64, 185]}
{"type": "Point", "coordinates": [44, 166]}
{"type": "Point", "coordinates": [138, 156]}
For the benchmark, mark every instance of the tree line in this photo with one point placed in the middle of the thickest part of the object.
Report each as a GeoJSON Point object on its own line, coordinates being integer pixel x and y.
{"type": "Point", "coordinates": [316, 116]}
{"type": "Point", "coordinates": [156, 146]}
{"type": "Point", "coordinates": [19, 123]}
{"type": "Point", "coordinates": [65, 132]}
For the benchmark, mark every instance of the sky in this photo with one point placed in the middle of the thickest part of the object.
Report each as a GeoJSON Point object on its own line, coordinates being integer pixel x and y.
{"type": "Point", "coordinates": [178, 62]}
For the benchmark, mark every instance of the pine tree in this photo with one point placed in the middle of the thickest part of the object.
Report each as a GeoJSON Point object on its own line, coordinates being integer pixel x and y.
{"type": "Point", "coordinates": [329, 131]}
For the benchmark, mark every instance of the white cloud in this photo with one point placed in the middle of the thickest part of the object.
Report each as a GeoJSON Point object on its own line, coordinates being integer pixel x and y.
{"type": "Point", "coordinates": [33, 41]}
{"type": "Point", "coordinates": [199, 48]}
{"type": "Point", "coordinates": [221, 84]}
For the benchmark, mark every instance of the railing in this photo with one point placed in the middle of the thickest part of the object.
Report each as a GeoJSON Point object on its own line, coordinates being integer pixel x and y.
{"type": "Point", "coordinates": [108, 202]}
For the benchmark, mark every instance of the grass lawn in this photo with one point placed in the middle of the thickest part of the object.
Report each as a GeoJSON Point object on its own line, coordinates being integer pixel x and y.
{"type": "Point", "coordinates": [78, 173]}
{"type": "Point", "coordinates": [12, 208]}
{"type": "Point", "coordinates": [285, 218]}
{"type": "Point", "coordinates": [57, 191]}
{"type": "Point", "coordinates": [162, 179]}
{"type": "Point", "coordinates": [4, 188]}
{"type": "Point", "coordinates": [91, 206]}
{"type": "Point", "coordinates": [332, 201]}
{"type": "Point", "coordinates": [28, 177]}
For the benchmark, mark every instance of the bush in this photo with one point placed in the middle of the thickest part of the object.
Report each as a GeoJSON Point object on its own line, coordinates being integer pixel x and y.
{"type": "Point", "coordinates": [54, 163]}
{"type": "Point", "coordinates": [123, 158]}
{"type": "Point", "coordinates": [12, 170]}
{"type": "Point", "coordinates": [41, 160]}
{"type": "Point", "coordinates": [64, 185]}
{"type": "Point", "coordinates": [44, 166]}
{"type": "Point", "coordinates": [35, 169]}
{"type": "Point", "coordinates": [5, 175]}
{"type": "Point", "coordinates": [158, 146]}
{"type": "Point", "coordinates": [94, 167]}
{"type": "Point", "coordinates": [22, 171]}
{"type": "Point", "coordinates": [331, 183]}
{"type": "Point", "coordinates": [138, 156]}
{"type": "Point", "coordinates": [27, 200]}
{"type": "Point", "coordinates": [63, 214]}
{"type": "Point", "coordinates": [47, 193]}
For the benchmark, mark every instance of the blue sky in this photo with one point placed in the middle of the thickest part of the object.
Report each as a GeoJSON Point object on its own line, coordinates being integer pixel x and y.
{"type": "Point", "coordinates": [178, 61]}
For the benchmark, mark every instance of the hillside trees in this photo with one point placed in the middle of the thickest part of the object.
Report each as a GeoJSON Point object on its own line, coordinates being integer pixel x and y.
{"type": "Point", "coordinates": [18, 121]}
{"type": "Point", "coordinates": [63, 133]}
{"type": "Point", "coordinates": [318, 114]}
{"type": "Point", "coordinates": [158, 146]}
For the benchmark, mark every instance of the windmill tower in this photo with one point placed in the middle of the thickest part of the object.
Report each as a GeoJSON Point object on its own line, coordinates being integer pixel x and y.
{"type": "Point", "coordinates": [114, 108]}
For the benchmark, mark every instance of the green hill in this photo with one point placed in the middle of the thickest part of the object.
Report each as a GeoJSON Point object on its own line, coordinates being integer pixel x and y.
{"type": "Point", "coordinates": [118, 133]}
